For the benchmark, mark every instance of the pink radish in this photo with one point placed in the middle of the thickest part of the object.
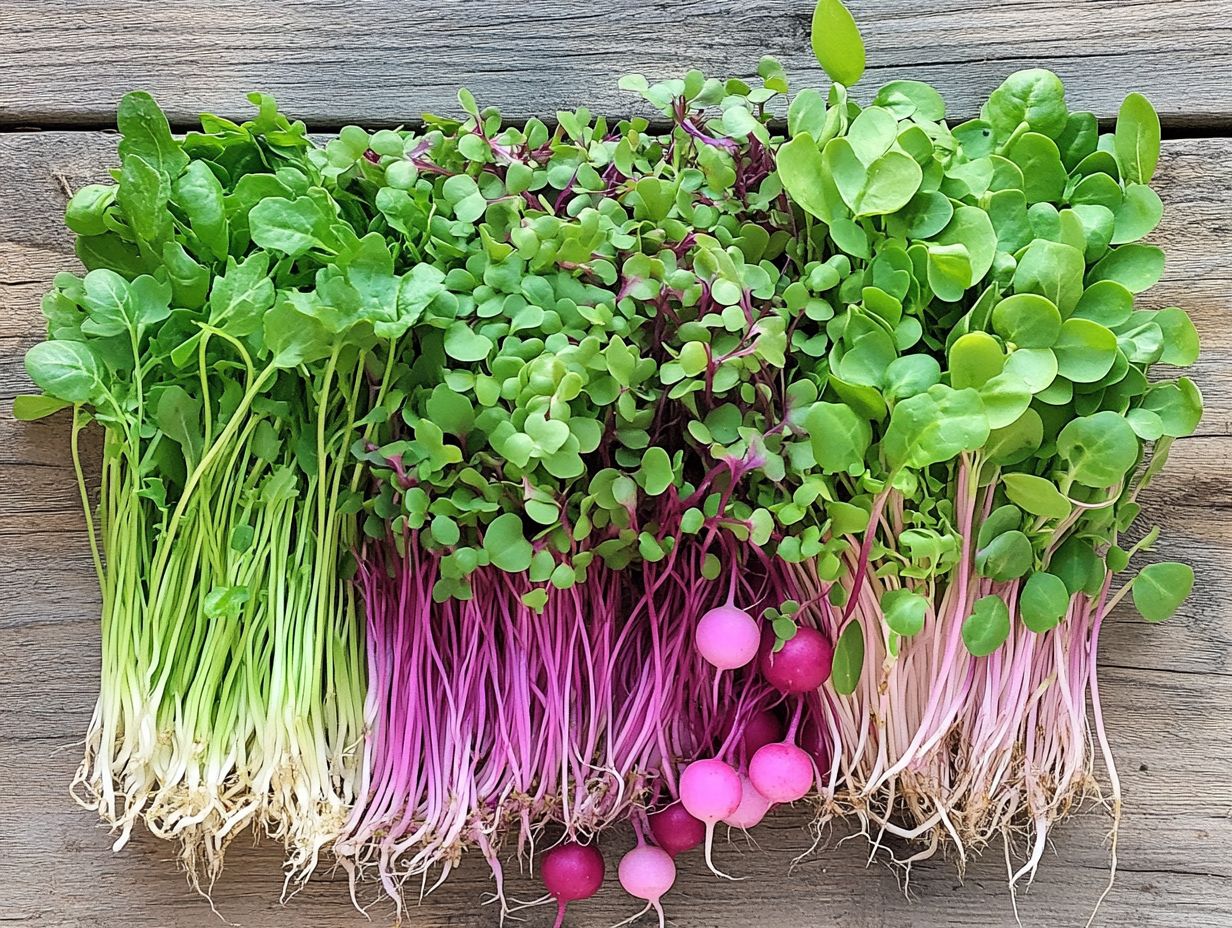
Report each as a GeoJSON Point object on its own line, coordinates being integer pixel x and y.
{"type": "Point", "coordinates": [782, 772]}
{"type": "Point", "coordinates": [710, 791]}
{"type": "Point", "coordinates": [647, 873]}
{"type": "Point", "coordinates": [753, 806]}
{"type": "Point", "coordinates": [728, 637]}
{"type": "Point", "coordinates": [802, 664]}
{"type": "Point", "coordinates": [571, 872]}
{"type": "Point", "coordinates": [675, 830]}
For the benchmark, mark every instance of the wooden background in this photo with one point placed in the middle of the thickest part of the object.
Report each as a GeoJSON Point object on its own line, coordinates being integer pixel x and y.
{"type": "Point", "coordinates": [63, 66]}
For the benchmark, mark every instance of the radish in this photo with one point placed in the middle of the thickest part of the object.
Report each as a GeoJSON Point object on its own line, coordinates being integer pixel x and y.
{"type": "Point", "coordinates": [782, 772]}
{"type": "Point", "coordinates": [675, 830]}
{"type": "Point", "coordinates": [802, 664]}
{"type": "Point", "coordinates": [762, 728]}
{"type": "Point", "coordinates": [728, 637]}
{"type": "Point", "coordinates": [710, 791]}
{"type": "Point", "coordinates": [647, 872]}
{"type": "Point", "coordinates": [812, 740]}
{"type": "Point", "coordinates": [571, 872]}
{"type": "Point", "coordinates": [753, 806]}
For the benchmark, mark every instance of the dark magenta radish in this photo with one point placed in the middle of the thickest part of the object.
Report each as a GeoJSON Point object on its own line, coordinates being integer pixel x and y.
{"type": "Point", "coordinates": [801, 665]}
{"type": "Point", "coordinates": [710, 790]}
{"type": "Point", "coordinates": [728, 637]}
{"type": "Point", "coordinates": [753, 806]}
{"type": "Point", "coordinates": [647, 873]}
{"type": "Point", "coordinates": [782, 772]}
{"type": "Point", "coordinates": [571, 872]}
{"type": "Point", "coordinates": [761, 728]}
{"type": "Point", "coordinates": [675, 830]}
{"type": "Point", "coordinates": [812, 739]}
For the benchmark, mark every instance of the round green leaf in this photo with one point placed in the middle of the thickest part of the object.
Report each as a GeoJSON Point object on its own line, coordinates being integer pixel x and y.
{"type": "Point", "coordinates": [1007, 556]}
{"type": "Point", "coordinates": [1099, 448]}
{"type": "Point", "coordinates": [1159, 589]}
{"type": "Point", "coordinates": [1044, 602]}
{"type": "Point", "coordinates": [1137, 267]}
{"type": "Point", "coordinates": [1028, 320]}
{"type": "Point", "coordinates": [840, 438]}
{"type": "Point", "coordinates": [987, 627]}
{"type": "Point", "coordinates": [904, 611]}
{"type": "Point", "coordinates": [1085, 350]}
{"type": "Point", "coordinates": [463, 344]}
{"type": "Point", "coordinates": [935, 426]}
{"type": "Point", "coordinates": [975, 358]}
{"type": "Point", "coordinates": [67, 370]}
{"type": "Point", "coordinates": [506, 545]}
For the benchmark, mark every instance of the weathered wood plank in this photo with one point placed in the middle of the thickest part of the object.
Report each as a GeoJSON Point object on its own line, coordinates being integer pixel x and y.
{"type": "Point", "coordinates": [1168, 690]}
{"type": "Point", "coordinates": [331, 61]}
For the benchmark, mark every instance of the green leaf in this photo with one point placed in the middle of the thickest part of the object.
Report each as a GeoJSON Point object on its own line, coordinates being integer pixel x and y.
{"type": "Point", "coordinates": [179, 416]}
{"type": "Point", "coordinates": [1044, 602]}
{"type": "Point", "coordinates": [975, 358]}
{"type": "Point", "coordinates": [949, 271]}
{"type": "Point", "coordinates": [883, 186]}
{"type": "Point", "coordinates": [848, 659]}
{"type": "Point", "coordinates": [1040, 161]}
{"type": "Point", "coordinates": [225, 602]}
{"type": "Point", "coordinates": [1016, 442]}
{"type": "Point", "coordinates": [904, 611]}
{"type": "Point", "coordinates": [29, 408]}
{"type": "Point", "coordinates": [987, 627]}
{"type": "Point", "coordinates": [506, 545]}
{"type": "Point", "coordinates": [464, 344]}
{"type": "Point", "coordinates": [1034, 98]}
{"type": "Point", "coordinates": [1078, 566]}
{"type": "Point", "coordinates": [1036, 495]}
{"type": "Point", "coordinates": [804, 176]}
{"type": "Point", "coordinates": [935, 426]}
{"type": "Point", "coordinates": [836, 42]}
{"type": "Point", "coordinates": [199, 194]}
{"type": "Point", "coordinates": [292, 227]}
{"type": "Point", "coordinates": [1159, 589]}
{"type": "Point", "coordinates": [839, 437]}
{"type": "Point", "coordinates": [1085, 350]}
{"type": "Point", "coordinates": [146, 134]}
{"type": "Point", "coordinates": [1136, 140]}
{"type": "Point", "coordinates": [1139, 214]}
{"type": "Point", "coordinates": [971, 228]}
{"type": "Point", "coordinates": [1178, 406]}
{"type": "Point", "coordinates": [1027, 320]}
{"type": "Point", "coordinates": [66, 370]}
{"type": "Point", "coordinates": [655, 474]}
{"type": "Point", "coordinates": [1180, 336]}
{"type": "Point", "coordinates": [453, 412]}
{"type": "Point", "coordinates": [1099, 448]}
{"type": "Point", "coordinates": [1135, 266]}
{"type": "Point", "coordinates": [1006, 557]}
{"type": "Point", "coordinates": [807, 113]}
{"type": "Point", "coordinates": [1052, 270]}
{"type": "Point", "coordinates": [911, 98]}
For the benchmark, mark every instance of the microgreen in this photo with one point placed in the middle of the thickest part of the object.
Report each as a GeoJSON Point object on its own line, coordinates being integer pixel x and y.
{"type": "Point", "coordinates": [552, 392]}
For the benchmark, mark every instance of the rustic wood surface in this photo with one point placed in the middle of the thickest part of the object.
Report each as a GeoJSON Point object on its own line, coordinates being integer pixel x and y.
{"type": "Point", "coordinates": [1168, 690]}
{"type": "Point", "coordinates": [375, 61]}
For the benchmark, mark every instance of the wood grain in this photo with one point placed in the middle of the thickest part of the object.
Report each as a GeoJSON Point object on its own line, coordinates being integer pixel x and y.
{"type": "Point", "coordinates": [378, 62]}
{"type": "Point", "coordinates": [1168, 690]}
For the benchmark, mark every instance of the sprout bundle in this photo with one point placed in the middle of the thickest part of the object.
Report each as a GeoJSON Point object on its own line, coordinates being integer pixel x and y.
{"type": "Point", "coordinates": [477, 487]}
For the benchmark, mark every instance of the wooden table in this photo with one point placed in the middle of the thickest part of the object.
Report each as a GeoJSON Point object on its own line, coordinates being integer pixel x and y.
{"type": "Point", "coordinates": [63, 66]}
